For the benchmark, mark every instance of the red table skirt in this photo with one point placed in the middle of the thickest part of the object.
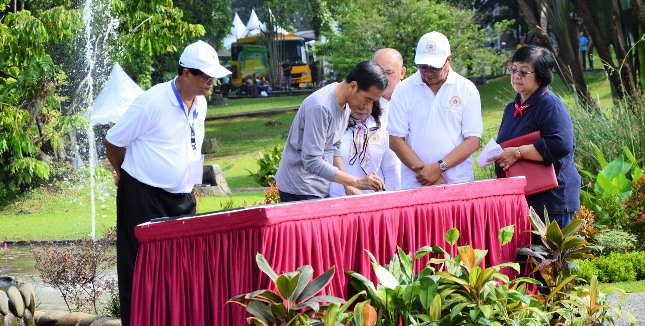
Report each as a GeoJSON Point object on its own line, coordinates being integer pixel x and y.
{"type": "Point", "coordinates": [188, 268]}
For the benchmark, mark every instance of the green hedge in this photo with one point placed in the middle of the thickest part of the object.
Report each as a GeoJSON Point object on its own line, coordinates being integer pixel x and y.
{"type": "Point", "coordinates": [615, 267]}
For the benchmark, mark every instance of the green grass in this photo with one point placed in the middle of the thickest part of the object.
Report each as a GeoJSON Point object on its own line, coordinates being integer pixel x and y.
{"type": "Point", "coordinates": [629, 287]}
{"type": "Point", "coordinates": [254, 104]}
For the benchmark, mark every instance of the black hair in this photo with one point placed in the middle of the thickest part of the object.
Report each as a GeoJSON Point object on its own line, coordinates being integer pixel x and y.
{"type": "Point", "coordinates": [376, 113]}
{"type": "Point", "coordinates": [367, 74]}
{"type": "Point", "coordinates": [540, 58]}
{"type": "Point", "coordinates": [196, 72]}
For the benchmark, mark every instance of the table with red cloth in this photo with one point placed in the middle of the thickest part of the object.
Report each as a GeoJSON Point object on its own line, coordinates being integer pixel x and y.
{"type": "Point", "coordinates": [188, 268]}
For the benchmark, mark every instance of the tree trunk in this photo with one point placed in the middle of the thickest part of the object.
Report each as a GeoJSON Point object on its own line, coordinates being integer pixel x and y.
{"type": "Point", "coordinates": [537, 15]}
{"type": "Point", "coordinates": [601, 46]}
{"type": "Point", "coordinates": [638, 6]}
{"type": "Point", "coordinates": [623, 56]}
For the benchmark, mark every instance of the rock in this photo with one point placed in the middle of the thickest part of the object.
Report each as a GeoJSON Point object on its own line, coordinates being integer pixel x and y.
{"type": "Point", "coordinates": [50, 318]}
{"type": "Point", "coordinates": [38, 314]}
{"type": "Point", "coordinates": [16, 305]}
{"type": "Point", "coordinates": [71, 319]}
{"type": "Point", "coordinates": [28, 318]}
{"type": "Point", "coordinates": [210, 146]}
{"type": "Point", "coordinates": [28, 296]}
{"type": "Point", "coordinates": [4, 303]}
{"type": "Point", "coordinates": [107, 321]}
{"type": "Point", "coordinates": [10, 320]}
{"type": "Point", "coordinates": [87, 321]}
{"type": "Point", "coordinates": [213, 182]}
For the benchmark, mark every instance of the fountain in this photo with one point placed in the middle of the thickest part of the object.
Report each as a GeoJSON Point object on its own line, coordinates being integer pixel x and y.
{"type": "Point", "coordinates": [98, 33]}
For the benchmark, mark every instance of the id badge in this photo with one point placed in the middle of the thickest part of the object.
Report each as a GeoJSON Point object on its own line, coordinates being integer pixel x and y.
{"type": "Point", "coordinates": [196, 171]}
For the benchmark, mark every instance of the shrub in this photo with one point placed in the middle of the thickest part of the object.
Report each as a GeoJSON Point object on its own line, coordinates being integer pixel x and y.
{"type": "Point", "coordinates": [268, 163]}
{"type": "Point", "coordinates": [615, 241]}
{"type": "Point", "coordinates": [587, 268]}
{"type": "Point", "coordinates": [635, 210]}
{"type": "Point", "coordinates": [638, 261]}
{"type": "Point", "coordinates": [271, 195]}
{"type": "Point", "coordinates": [615, 268]}
{"type": "Point", "coordinates": [589, 231]}
{"type": "Point", "coordinates": [79, 271]}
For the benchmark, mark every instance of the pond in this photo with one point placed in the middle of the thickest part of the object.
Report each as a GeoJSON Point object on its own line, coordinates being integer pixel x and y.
{"type": "Point", "coordinates": [17, 262]}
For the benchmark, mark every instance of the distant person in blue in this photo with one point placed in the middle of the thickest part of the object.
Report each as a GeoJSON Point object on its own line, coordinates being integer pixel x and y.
{"type": "Point", "coordinates": [535, 108]}
{"type": "Point", "coordinates": [584, 44]}
{"type": "Point", "coordinates": [306, 169]}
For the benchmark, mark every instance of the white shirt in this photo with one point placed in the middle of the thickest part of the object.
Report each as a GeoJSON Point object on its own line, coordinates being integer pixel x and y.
{"type": "Point", "coordinates": [383, 160]}
{"type": "Point", "coordinates": [156, 134]}
{"type": "Point", "coordinates": [433, 125]}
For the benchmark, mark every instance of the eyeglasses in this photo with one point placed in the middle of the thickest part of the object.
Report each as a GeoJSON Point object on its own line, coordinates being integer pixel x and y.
{"type": "Point", "coordinates": [199, 73]}
{"type": "Point", "coordinates": [520, 72]}
{"type": "Point", "coordinates": [429, 68]}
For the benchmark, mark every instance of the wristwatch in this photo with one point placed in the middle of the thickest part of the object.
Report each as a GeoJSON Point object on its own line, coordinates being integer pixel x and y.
{"type": "Point", "coordinates": [518, 153]}
{"type": "Point", "coordinates": [443, 165]}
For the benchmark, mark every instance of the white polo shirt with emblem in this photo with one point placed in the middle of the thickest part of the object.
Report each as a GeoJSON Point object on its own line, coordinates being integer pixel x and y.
{"type": "Point", "coordinates": [156, 134]}
{"type": "Point", "coordinates": [434, 125]}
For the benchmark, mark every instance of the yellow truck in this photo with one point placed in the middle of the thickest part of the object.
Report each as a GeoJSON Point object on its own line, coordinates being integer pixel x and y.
{"type": "Point", "coordinates": [250, 55]}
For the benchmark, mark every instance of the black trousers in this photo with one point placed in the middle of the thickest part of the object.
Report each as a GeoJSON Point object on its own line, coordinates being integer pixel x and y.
{"type": "Point", "coordinates": [137, 203]}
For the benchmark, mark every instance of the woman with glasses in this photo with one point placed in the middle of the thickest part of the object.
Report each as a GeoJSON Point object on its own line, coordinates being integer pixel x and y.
{"type": "Point", "coordinates": [365, 149]}
{"type": "Point", "coordinates": [536, 108]}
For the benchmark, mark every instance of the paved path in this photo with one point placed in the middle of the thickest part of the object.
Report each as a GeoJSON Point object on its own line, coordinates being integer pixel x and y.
{"type": "Point", "coordinates": [634, 304]}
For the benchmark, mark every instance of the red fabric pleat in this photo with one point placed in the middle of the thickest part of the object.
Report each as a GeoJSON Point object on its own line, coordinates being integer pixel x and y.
{"type": "Point", "coordinates": [187, 269]}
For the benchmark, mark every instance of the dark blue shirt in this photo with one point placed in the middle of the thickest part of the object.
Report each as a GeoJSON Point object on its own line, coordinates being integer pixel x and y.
{"type": "Point", "coordinates": [547, 113]}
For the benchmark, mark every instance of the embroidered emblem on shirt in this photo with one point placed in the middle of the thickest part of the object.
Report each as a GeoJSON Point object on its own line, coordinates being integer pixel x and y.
{"type": "Point", "coordinates": [455, 102]}
{"type": "Point", "coordinates": [375, 139]}
{"type": "Point", "coordinates": [199, 123]}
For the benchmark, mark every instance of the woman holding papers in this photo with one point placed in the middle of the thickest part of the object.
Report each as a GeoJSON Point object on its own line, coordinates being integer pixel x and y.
{"type": "Point", "coordinates": [536, 108]}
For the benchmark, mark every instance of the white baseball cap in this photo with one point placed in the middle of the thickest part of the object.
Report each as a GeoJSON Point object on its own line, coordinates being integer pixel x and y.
{"type": "Point", "coordinates": [433, 49]}
{"type": "Point", "coordinates": [202, 56]}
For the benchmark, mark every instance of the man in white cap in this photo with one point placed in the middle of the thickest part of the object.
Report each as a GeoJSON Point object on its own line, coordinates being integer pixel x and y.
{"type": "Point", "coordinates": [434, 119]}
{"type": "Point", "coordinates": [155, 150]}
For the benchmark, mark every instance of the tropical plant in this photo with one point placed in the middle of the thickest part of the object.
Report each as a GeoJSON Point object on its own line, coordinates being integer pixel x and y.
{"type": "Point", "coordinates": [588, 306]}
{"type": "Point", "coordinates": [461, 292]}
{"type": "Point", "coordinates": [294, 301]}
{"type": "Point", "coordinates": [268, 162]}
{"type": "Point", "coordinates": [589, 229]}
{"type": "Point", "coordinates": [612, 187]}
{"type": "Point", "coordinates": [484, 296]}
{"type": "Point", "coordinates": [400, 293]}
{"type": "Point", "coordinates": [552, 257]}
{"type": "Point", "coordinates": [635, 210]}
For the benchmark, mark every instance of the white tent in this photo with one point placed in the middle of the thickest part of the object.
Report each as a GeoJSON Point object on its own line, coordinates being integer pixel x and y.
{"type": "Point", "coordinates": [253, 26]}
{"type": "Point", "coordinates": [115, 98]}
{"type": "Point", "coordinates": [237, 30]}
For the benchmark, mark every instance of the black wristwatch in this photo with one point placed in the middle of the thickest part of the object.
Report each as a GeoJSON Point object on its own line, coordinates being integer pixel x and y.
{"type": "Point", "coordinates": [443, 165]}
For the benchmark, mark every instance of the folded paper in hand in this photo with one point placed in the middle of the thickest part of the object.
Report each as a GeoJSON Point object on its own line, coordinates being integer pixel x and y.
{"type": "Point", "coordinates": [539, 177]}
{"type": "Point", "coordinates": [491, 149]}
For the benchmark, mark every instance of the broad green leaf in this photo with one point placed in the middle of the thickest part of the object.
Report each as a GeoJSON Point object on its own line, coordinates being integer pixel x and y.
{"type": "Point", "coordinates": [315, 286]}
{"type": "Point", "coordinates": [287, 285]}
{"type": "Point", "coordinates": [306, 273]}
{"type": "Point", "coordinates": [406, 265]}
{"type": "Point", "coordinates": [486, 310]}
{"type": "Point", "coordinates": [422, 252]}
{"type": "Point", "coordinates": [435, 308]}
{"type": "Point", "coordinates": [452, 236]}
{"type": "Point", "coordinates": [385, 277]}
{"type": "Point", "coordinates": [506, 234]}
{"type": "Point", "coordinates": [260, 311]}
{"type": "Point", "coordinates": [265, 267]}
{"type": "Point", "coordinates": [572, 227]}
